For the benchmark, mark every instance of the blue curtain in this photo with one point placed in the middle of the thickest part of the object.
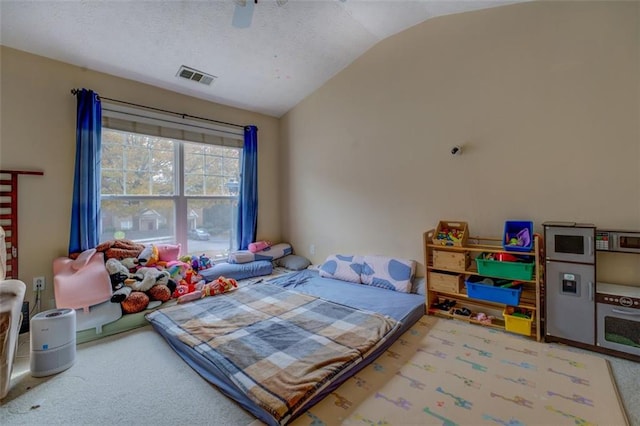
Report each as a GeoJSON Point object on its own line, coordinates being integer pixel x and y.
{"type": "Point", "coordinates": [85, 209]}
{"type": "Point", "coordinates": [248, 197]}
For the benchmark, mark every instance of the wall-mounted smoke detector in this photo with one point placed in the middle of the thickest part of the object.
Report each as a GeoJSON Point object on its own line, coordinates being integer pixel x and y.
{"type": "Point", "coordinates": [195, 75]}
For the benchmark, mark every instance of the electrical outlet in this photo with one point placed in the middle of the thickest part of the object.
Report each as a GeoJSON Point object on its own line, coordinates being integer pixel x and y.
{"type": "Point", "coordinates": [312, 249]}
{"type": "Point", "coordinates": [38, 283]}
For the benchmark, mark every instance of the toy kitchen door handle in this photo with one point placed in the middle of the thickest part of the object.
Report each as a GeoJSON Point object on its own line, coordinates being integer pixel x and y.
{"type": "Point", "coordinates": [635, 313]}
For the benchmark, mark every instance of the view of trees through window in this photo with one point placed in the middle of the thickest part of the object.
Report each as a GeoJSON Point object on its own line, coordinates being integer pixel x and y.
{"type": "Point", "coordinates": [159, 190]}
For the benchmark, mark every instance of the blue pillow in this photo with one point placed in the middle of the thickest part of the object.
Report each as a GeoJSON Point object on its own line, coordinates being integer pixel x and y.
{"type": "Point", "coordinates": [293, 262]}
{"type": "Point", "coordinates": [237, 271]}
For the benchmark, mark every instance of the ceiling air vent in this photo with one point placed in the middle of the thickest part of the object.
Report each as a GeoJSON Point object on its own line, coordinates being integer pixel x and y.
{"type": "Point", "coordinates": [195, 75]}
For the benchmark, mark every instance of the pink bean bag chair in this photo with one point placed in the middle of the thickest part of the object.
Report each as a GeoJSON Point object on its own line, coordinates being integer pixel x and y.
{"type": "Point", "coordinates": [81, 283]}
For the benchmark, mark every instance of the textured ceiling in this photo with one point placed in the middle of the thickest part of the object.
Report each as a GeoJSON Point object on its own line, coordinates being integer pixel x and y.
{"type": "Point", "coordinates": [267, 57]}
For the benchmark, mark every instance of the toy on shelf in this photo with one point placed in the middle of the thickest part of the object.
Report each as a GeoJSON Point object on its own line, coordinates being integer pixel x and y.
{"type": "Point", "coordinates": [518, 312]}
{"type": "Point", "coordinates": [450, 233]}
{"type": "Point", "coordinates": [521, 239]}
{"type": "Point", "coordinates": [518, 236]}
{"type": "Point", "coordinates": [447, 234]}
{"type": "Point", "coordinates": [482, 318]}
{"type": "Point", "coordinates": [445, 305]}
{"type": "Point", "coordinates": [518, 320]}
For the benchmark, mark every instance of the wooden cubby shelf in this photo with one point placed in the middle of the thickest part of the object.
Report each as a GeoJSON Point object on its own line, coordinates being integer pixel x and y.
{"type": "Point", "coordinates": [446, 280]}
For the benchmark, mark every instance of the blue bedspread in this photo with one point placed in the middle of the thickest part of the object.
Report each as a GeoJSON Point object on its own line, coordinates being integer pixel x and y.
{"type": "Point", "coordinates": [404, 307]}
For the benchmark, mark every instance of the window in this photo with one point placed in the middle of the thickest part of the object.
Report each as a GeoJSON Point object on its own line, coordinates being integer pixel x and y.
{"type": "Point", "coordinates": [158, 189]}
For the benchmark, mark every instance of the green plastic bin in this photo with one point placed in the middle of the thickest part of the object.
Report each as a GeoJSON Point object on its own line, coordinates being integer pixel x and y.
{"type": "Point", "coordinates": [503, 269]}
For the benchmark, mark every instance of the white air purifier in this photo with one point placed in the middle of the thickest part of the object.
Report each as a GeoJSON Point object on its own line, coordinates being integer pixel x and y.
{"type": "Point", "coordinates": [53, 341]}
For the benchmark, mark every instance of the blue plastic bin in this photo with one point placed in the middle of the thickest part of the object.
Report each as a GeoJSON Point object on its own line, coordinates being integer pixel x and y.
{"type": "Point", "coordinates": [511, 229]}
{"type": "Point", "coordinates": [477, 290]}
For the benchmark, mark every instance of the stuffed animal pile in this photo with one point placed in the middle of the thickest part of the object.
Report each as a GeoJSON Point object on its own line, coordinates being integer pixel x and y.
{"type": "Point", "coordinates": [155, 274]}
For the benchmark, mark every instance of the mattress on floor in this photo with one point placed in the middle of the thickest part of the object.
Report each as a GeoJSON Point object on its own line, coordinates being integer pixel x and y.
{"type": "Point", "coordinates": [201, 333]}
{"type": "Point", "coordinates": [132, 321]}
{"type": "Point", "coordinates": [124, 323]}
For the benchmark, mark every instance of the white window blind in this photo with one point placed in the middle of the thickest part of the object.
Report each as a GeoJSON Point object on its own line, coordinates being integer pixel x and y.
{"type": "Point", "coordinates": [169, 125]}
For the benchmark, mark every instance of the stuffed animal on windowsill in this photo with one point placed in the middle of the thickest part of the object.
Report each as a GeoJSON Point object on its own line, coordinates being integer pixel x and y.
{"type": "Point", "coordinates": [188, 284]}
{"type": "Point", "coordinates": [197, 263]}
{"type": "Point", "coordinates": [204, 262]}
{"type": "Point", "coordinates": [218, 286]}
{"type": "Point", "coordinates": [118, 273]}
{"type": "Point", "coordinates": [135, 291]}
{"type": "Point", "coordinates": [119, 249]}
{"type": "Point", "coordinates": [138, 301]}
{"type": "Point", "coordinates": [145, 278]}
{"type": "Point", "coordinates": [149, 256]}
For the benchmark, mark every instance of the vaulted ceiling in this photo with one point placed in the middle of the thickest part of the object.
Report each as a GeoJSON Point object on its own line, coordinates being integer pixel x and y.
{"type": "Point", "coordinates": [265, 56]}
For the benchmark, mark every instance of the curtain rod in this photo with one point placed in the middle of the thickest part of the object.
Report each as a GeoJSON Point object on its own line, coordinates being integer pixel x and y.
{"type": "Point", "coordinates": [75, 91]}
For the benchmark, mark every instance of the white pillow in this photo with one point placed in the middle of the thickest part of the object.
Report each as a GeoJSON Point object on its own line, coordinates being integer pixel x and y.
{"type": "Point", "coordinates": [342, 267]}
{"type": "Point", "coordinates": [387, 272]}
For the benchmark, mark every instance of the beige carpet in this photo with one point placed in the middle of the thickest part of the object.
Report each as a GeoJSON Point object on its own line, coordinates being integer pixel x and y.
{"type": "Point", "coordinates": [132, 378]}
{"type": "Point", "coordinates": [447, 372]}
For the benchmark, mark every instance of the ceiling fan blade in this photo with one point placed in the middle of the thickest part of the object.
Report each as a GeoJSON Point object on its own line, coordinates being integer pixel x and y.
{"type": "Point", "coordinates": [243, 15]}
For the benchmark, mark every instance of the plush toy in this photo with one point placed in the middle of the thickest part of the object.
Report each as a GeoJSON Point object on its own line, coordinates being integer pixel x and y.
{"type": "Point", "coordinates": [195, 263]}
{"type": "Point", "coordinates": [119, 249]}
{"type": "Point", "coordinates": [168, 252]}
{"type": "Point", "coordinates": [118, 274]}
{"type": "Point", "coordinates": [131, 263]}
{"type": "Point", "coordinates": [180, 291]}
{"type": "Point", "coordinates": [199, 263]}
{"type": "Point", "coordinates": [136, 302]}
{"type": "Point", "coordinates": [121, 294]}
{"type": "Point", "coordinates": [218, 286]}
{"type": "Point", "coordinates": [159, 292]}
{"type": "Point", "coordinates": [148, 256]}
{"type": "Point", "coordinates": [145, 278]}
{"type": "Point", "coordinates": [134, 291]}
{"type": "Point", "coordinates": [188, 284]}
{"type": "Point", "coordinates": [204, 262]}
{"type": "Point", "coordinates": [177, 269]}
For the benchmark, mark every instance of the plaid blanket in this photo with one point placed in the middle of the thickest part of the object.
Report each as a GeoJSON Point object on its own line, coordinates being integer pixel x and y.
{"type": "Point", "coordinates": [278, 346]}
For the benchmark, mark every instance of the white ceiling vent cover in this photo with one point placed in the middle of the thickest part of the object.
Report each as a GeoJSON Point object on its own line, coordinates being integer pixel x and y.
{"type": "Point", "coordinates": [195, 75]}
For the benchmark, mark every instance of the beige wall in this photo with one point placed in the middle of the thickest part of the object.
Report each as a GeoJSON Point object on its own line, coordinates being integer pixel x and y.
{"type": "Point", "coordinates": [38, 133]}
{"type": "Point", "coordinates": [544, 97]}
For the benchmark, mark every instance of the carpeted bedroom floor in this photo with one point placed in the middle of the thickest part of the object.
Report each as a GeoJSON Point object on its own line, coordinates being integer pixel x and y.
{"type": "Point", "coordinates": [135, 378]}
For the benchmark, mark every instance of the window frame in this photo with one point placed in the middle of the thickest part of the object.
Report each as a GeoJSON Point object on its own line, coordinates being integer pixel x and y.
{"type": "Point", "coordinates": [165, 126]}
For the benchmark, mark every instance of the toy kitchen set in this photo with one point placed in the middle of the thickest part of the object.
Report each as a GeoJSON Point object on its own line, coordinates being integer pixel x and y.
{"type": "Point", "coordinates": [579, 310]}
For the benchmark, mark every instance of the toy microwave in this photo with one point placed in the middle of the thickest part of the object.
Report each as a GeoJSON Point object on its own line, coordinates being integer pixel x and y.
{"type": "Point", "coordinates": [621, 241]}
